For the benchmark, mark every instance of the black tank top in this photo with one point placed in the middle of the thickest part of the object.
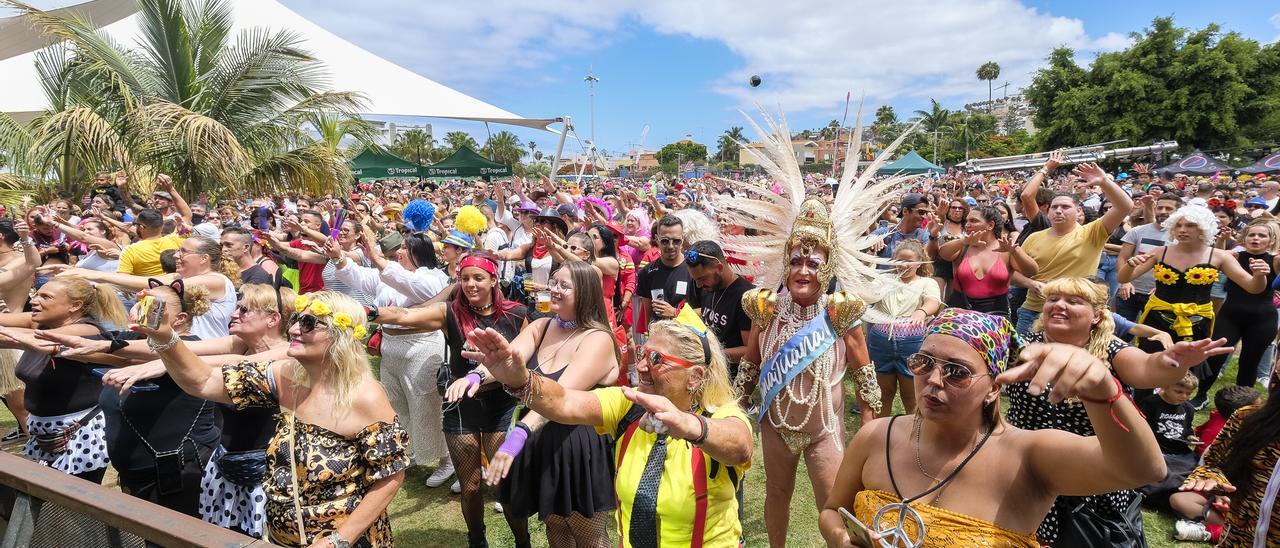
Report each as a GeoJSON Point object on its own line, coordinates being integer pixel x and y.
{"type": "Point", "coordinates": [59, 386]}
{"type": "Point", "coordinates": [508, 326]}
{"type": "Point", "coordinates": [1240, 299]}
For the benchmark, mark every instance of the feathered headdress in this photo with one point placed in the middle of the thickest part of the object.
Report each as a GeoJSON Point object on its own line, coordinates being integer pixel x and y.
{"type": "Point", "coordinates": [780, 217]}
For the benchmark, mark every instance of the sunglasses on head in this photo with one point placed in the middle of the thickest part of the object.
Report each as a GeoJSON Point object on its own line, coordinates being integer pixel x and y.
{"type": "Point", "coordinates": [953, 374]}
{"type": "Point", "coordinates": [697, 259]}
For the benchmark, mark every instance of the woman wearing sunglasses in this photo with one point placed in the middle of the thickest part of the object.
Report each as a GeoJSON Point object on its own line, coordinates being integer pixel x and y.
{"type": "Point", "coordinates": [954, 474]}
{"type": "Point", "coordinates": [1076, 314]}
{"type": "Point", "coordinates": [681, 428]}
{"type": "Point", "coordinates": [333, 411]}
{"type": "Point", "coordinates": [476, 413]}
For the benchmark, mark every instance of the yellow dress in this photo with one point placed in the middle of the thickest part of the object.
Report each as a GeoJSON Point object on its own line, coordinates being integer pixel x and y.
{"type": "Point", "coordinates": [945, 528]}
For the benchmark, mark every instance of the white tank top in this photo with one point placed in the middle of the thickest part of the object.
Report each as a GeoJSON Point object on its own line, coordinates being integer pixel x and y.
{"type": "Point", "coordinates": [217, 321]}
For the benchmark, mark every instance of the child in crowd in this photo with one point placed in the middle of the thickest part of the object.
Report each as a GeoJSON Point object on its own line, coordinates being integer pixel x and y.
{"type": "Point", "coordinates": [1169, 414]}
{"type": "Point", "coordinates": [1189, 506]}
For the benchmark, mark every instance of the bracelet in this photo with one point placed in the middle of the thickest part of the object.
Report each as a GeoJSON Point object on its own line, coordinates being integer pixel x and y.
{"type": "Point", "coordinates": [116, 345]}
{"type": "Point", "coordinates": [518, 391]}
{"type": "Point", "coordinates": [521, 425]}
{"type": "Point", "coordinates": [479, 373]}
{"type": "Point", "coordinates": [706, 429]}
{"type": "Point", "coordinates": [1111, 403]}
{"type": "Point", "coordinates": [162, 347]}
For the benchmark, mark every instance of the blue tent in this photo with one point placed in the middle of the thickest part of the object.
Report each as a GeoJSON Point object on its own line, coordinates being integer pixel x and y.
{"type": "Point", "coordinates": [909, 164]}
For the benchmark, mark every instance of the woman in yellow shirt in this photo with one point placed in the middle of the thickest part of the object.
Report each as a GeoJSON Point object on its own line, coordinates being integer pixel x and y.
{"type": "Point", "coordinates": [683, 442]}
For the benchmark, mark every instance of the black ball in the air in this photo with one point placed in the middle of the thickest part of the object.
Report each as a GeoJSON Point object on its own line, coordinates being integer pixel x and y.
{"type": "Point", "coordinates": [755, 80]}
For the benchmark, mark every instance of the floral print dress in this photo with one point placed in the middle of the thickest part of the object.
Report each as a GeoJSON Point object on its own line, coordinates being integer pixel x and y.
{"type": "Point", "coordinates": [333, 472]}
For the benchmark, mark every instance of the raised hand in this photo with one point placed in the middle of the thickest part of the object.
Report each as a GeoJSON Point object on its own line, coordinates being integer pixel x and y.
{"type": "Point", "coordinates": [1090, 172]}
{"type": "Point", "coordinates": [494, 352]}
{"type": "Point", "coordinates": [165, 181]}
{"type": "Point", "coordinates": [1071, 371]}
{"type": "Point", "coordinates": [1146, 201]}
{"type": "Point", "coordinates": [976, 238]}
{"type": "Point", "coordinates": [71, 345]}
{"type": "Point", "coordinates": [23, 229]}
{"type": "Point", "coordinates": [1259, 267]}
{"type": "Point", "coordinates": [1187, 354]}
{"type": "Point", "coordinates": [1055, 159]}
{"type": "Point", "coordinates": [1005, 244]}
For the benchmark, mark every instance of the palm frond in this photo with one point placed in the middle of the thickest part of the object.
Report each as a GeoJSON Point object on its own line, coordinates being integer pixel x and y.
{"type": "Point", "coordinates": [212, 148]}
{"type": "Point", "coordinates": [85, 38]}
{"type": "Point", "coordinates": [312, 168]}
{"type": "Point", "coordinates": [169, 50]}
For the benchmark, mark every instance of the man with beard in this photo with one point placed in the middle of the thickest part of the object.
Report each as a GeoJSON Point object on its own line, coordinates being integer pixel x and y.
{"type": "Point", "coordinates": [719, 299]}
{"type": "Point", "coordinates": [1132, 296]}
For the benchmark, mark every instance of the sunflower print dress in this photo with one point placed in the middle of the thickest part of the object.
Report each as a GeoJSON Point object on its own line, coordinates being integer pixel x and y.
{"type": "Point", "coordinates": [1180, 304]}
{"type": "Point", "coordinates": [334, 472]}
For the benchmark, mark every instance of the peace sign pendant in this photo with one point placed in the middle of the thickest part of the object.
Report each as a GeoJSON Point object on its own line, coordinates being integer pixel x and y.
{"type": "Point", "coordinates": [897, 535]}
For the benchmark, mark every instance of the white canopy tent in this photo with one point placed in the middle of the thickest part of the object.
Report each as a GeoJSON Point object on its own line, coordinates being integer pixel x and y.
{"type": "Point", "coordinates": [390, 90]}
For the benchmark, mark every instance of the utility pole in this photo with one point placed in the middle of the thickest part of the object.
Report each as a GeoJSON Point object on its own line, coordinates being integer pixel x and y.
{"type": "Point", "coordinates": [591, 91]}
{"type": "Point", "coordinates": [935, 145]}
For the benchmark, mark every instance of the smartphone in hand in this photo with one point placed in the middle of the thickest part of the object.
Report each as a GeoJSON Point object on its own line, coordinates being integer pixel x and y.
{"type": "Point", "coordinates": [151, 312]}
{"type": "Point", "coordinates": [858, 533]}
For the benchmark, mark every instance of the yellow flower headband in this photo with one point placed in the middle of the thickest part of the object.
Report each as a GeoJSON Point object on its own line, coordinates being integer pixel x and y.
{"type": "Point", "coordinates": [304, 304]}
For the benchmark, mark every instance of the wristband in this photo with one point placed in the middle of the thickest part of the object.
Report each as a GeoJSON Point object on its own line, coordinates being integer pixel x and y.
{"type": "Point", "coordinates": [706, 429]}
{"type": "Point", "coordinates": [516, 438]}
{"type": "Point", "coordinates": [473, 379]}
{"type": "Point", "coordinates": [117, 344]}
{"type": "Point", "coordinates": [371, 312]}
{"type": "Point", "coordinates": [1111, 403]}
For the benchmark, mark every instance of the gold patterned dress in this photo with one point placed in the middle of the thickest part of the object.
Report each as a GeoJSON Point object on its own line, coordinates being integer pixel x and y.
{"type": "Point", "coordinates": [333, 472]}
{"type": "Point", "coordinates": [945, 528]}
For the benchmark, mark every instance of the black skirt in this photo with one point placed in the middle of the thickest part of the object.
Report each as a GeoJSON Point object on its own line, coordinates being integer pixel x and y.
{"type": "Point", "coordinates": [562, 470]}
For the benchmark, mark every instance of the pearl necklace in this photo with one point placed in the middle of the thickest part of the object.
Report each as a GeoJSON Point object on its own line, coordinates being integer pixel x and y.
{"type": "Point", "coordinates": [790, 319]}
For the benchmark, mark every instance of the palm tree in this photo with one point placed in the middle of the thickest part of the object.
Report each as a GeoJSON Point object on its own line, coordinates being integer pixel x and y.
{"type": "Point", "coordinates": [886, 116]}
{"type": "Point", "coordinates": [413, 145]}
{"type": "Point", "coordinates": [933, 121]}
{"type": "Point", "coordinates": [537, 171]}
{"type": "Point", "coordinates": [215, 110]}
{"type": "Point", "coordinates": [729, 143]}
{"type": "Point", "coordinates": [458, 139]}
{"type": "Point", "coordinates": [505, 148]}
{"type": "Point", "coordinates": [989, 71]}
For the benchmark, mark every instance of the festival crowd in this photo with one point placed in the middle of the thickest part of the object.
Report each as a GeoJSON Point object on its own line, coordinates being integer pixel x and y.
{"type": "Point", "coordinates": [589, 351]}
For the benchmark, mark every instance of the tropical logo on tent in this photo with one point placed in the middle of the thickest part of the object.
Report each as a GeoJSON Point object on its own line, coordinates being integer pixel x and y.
{"type": "Point", "coordinates": [1193, 162]}
{"type": "Point", "coordinates": [402, 171]}
{"type": "Point", "coordinates": [493, 171]}
{"type": "Point", "coordinates": [441, 172]}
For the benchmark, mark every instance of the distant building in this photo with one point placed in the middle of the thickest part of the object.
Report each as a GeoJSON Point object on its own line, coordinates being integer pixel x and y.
{"type": "Point", "coordinates": [1012, 113]}
{"type": "Point", "coordinates": [810, 151]}
{"type": "Point", "coordinates": [388, 132]}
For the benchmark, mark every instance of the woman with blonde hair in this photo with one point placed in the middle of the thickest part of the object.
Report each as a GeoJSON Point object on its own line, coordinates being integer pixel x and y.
{"type": "Point", "coordinates": [66, 426]}
{"type": "Point", "coordinates": [333, 411]}
{"type": "Point", "coordinates": [681, 428]}
{"type": "Point", "coordinates": [1075, 313]}
{"type": "Point", "coordinates": [1246, 318]}
{"type": "Point", "coordinates": [200, 262]}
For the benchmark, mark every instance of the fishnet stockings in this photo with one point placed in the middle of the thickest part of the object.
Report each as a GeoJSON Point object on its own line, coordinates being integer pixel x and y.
{"type": "Point", "coordinates": [468, 464]}
{"type": "Point", "coordinates": [577, 531]}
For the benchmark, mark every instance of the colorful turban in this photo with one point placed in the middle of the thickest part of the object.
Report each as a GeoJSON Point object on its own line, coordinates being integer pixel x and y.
{"type": "Point", "coordinates": [992, 336]}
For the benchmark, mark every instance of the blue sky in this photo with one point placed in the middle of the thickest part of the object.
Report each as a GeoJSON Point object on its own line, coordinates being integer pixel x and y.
{"type": "Point", "coordinates": [682, 67]}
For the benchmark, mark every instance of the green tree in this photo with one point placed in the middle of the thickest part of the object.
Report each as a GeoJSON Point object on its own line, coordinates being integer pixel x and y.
{"type": "Point", "coordinates": [934, 119]}
{"type": "Point", "coordinates": [829, 132]}
{"type": "Point", "coordinates": [214, 109]}
{"type": "Point", "coordinates": [729, 144]}
{"type": "Point", "coordinates": [681, 152]}
{"type": "Point", "coordinates": [458, 139]}
{"type": "Point", "coordinates": [505, 148]}
{"type": "Point", "coordinates": [414, 145]}
{"type": "Point", "coordinates": [988, 72]}
{"type": "Point", "coordinates": [886, 128]}
{"type": "Point", "coordinates": [537, 170]}
{"type": "Point", "coordinates": [1204, 88]}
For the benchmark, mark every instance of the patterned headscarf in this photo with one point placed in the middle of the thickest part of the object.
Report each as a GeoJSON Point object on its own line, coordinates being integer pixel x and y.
{"type": "Point", "coordinates": [992, 336]}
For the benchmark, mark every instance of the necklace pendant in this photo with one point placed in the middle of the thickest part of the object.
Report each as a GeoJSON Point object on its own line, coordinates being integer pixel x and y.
{"type": "Point", "coordinates": [897, 535]}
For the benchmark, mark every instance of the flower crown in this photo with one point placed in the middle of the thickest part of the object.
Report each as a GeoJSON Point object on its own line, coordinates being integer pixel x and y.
{"type": "Point", "coordinates": [304, 304]}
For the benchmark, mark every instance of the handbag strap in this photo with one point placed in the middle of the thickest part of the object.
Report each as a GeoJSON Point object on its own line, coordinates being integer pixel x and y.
{"type": "Point", "coordinates": [293, 478]}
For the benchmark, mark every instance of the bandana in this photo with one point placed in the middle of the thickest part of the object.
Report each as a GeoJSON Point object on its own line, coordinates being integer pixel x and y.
{"type": "Point", "coordinates": [992, 336]}
{"type": "Point", "coordinates": [479, 262]}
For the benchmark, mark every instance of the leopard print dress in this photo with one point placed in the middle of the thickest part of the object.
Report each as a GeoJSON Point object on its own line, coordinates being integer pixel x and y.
{"type": "Point", "coordinates": [334, 472]}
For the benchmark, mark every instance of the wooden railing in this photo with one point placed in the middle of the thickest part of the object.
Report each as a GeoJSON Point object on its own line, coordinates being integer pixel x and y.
{"type": "Point", "coordinates": [29, 486]}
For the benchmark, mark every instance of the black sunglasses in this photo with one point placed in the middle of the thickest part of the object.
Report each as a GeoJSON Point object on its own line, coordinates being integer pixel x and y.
{"type": "Point", "coordinates": [306, 322]}
{"type": "Point", "coordinates": [670, 241]}
{"type": "Point", "coordinates": [953, 374]}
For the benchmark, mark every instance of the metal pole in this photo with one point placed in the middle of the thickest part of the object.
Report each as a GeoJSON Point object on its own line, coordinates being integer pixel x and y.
{"type": "Point", "coordinates": [591, 91]}
{"type": "Point", "coordinates": [566, 126]}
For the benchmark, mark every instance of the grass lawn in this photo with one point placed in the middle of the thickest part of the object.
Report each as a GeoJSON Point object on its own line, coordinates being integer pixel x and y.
{"type": "Point", "coordinates": [432, 517]}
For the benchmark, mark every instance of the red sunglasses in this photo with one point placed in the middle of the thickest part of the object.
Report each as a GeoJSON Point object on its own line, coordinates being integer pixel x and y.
{"type": "Point", "coordinates": [654, 357]}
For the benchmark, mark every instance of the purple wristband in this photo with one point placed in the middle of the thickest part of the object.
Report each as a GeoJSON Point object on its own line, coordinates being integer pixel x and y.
{"type": "Point", "coordinates": [472, 379]}
{"type": "Point", "coordinates": [514, 442]}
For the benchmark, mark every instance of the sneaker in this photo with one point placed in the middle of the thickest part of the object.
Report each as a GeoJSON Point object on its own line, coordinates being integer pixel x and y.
{"type": "Point", "coordinates": [1200, 402]}
{"type": "Point", "coordinates": [14, 435]}
{"type": "Point", "coordinates": [1190, 530]}
{"type": "Point", "coordinates": [497, 507]}
{"type": "Point", "coordinates": [441, 475]}
{"type": "Point", "coordinates": [456, 488]}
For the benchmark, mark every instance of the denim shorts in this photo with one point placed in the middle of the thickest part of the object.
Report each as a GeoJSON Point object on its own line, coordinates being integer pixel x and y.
{"type": "Point", "coordinates": [890, 353]}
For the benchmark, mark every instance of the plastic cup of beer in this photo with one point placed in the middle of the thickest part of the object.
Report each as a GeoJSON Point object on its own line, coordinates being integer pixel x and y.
{"type": "Point", "coordinates": [544, 302]}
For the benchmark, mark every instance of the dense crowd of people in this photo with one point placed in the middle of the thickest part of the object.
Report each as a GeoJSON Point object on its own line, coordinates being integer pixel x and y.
{"type": "Point", "coordinates": [591, 350]}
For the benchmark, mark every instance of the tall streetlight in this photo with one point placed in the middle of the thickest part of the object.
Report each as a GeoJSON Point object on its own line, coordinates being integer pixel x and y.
{"type": "Point", "coordinates": [591, 90]}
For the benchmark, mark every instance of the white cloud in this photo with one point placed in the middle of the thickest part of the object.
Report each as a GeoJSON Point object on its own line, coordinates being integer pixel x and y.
{"type": "Point", "coordinates": [808, 53]}
{"type": "Point", "coordinates": [1275, 22]}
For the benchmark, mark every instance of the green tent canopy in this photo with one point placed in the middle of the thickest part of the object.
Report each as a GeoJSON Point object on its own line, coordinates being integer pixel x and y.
{"type": "Point", "coordinates": [909, 164]}
{"type": "Point", "coordinates": [372, 164]}
{"type": "Point", "coordinates": [467, 163]}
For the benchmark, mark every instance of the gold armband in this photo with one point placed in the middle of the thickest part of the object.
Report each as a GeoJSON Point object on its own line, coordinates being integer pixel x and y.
{"type": "Point", "coordinates": [747, 374]}
{"type": "Point", "coordinates": [865, 379]}
{"type": "Point", "coordinates": [845, 310]}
